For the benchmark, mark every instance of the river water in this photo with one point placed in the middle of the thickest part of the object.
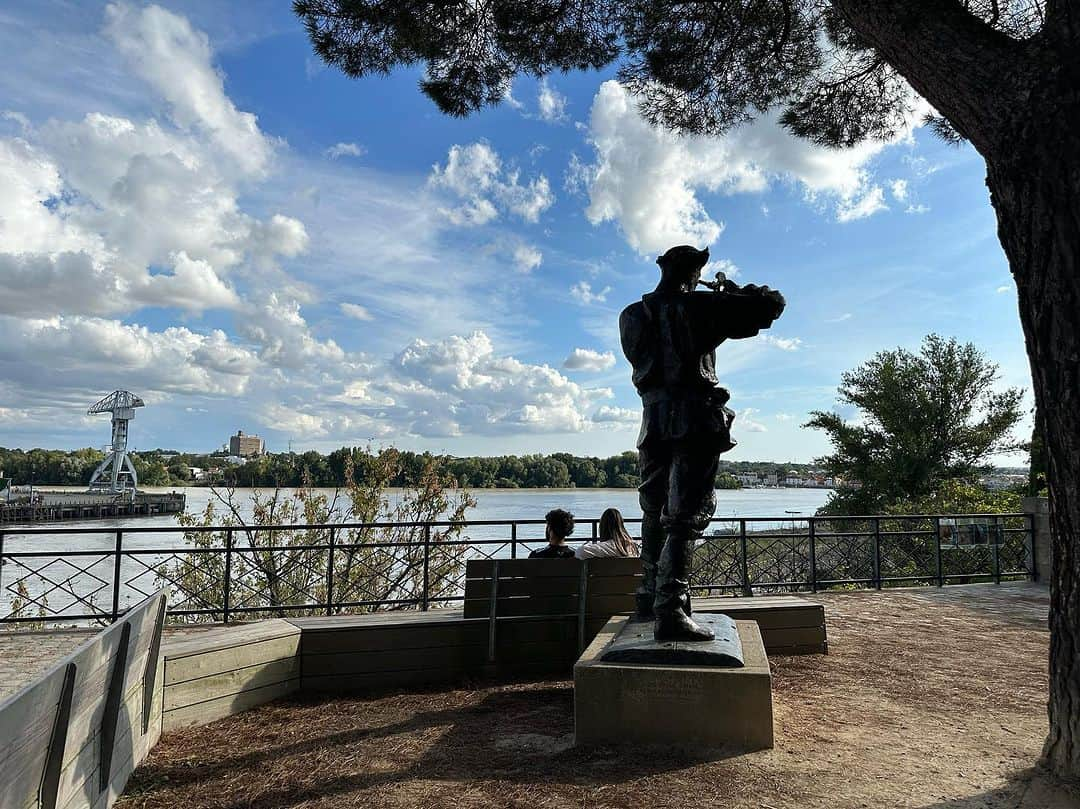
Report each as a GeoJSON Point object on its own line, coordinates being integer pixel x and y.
{"type": "Point", "coordinates": [492, 504]}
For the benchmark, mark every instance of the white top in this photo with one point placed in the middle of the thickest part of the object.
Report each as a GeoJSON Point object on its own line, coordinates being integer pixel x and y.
{"type": "Point", "coordinates": [595, 550]}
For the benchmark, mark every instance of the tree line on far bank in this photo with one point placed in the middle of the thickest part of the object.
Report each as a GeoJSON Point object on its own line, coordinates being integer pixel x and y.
{"type": "Point", "coordinates": [44, 467]}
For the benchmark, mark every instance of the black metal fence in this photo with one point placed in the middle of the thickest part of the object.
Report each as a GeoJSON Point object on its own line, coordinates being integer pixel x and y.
{"type": "Point", "coordinates": [229, 572]}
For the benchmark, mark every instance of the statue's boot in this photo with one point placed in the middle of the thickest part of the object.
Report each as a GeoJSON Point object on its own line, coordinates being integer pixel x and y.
{"type": "Point", "coordinates": [672, 604]}
{"type": "Point", "coordinates": [652, 541]}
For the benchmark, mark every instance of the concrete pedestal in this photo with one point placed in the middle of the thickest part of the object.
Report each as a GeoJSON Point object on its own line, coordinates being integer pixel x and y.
{"type": "Point", "coordinates": [685, 706]}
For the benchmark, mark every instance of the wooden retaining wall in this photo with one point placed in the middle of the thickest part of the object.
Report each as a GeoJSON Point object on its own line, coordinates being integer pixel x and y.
{"type": "Point", "coordinates": [227, 670]}
{"type": "Point", "coordinates": [220, 672]}
{"type": "Point", "coordinates": [71, 739]}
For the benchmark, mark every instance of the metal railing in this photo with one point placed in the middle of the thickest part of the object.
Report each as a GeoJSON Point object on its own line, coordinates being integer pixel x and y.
{"type": "Point", "coordinates": [221, 573]}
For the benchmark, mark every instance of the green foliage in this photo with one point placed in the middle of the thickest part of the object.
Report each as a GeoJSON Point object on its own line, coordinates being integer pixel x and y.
{"type": "Point", "coordinates": [272, 568]}
{"type": "Point", "coordinates": [925, 419]}
{"type": "Point", "coordinates": [960, 497]}
{"type": "Point", "coordinates": [696, 67]}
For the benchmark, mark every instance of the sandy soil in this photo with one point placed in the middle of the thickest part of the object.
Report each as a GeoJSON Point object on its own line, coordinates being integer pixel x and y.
{"type": "Point", "coordinates": [926, 699]}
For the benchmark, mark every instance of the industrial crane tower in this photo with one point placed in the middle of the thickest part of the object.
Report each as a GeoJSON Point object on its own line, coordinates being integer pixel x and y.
{"type": "Point", "coordinates": [116, 474]}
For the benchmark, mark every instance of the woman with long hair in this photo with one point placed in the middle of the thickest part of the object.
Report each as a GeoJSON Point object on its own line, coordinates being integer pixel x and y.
{"type": "Point", "coordinates": [614, 539]}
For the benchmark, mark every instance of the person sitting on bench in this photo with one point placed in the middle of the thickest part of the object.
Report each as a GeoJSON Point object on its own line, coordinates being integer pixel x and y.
{"type": "Point", "coordinates": [614, 539]}
{"type": "Point", "coordinates": [560, 525]}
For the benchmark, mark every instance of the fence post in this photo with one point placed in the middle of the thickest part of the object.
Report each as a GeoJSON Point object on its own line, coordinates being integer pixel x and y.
{"type": "Point", "coordinates": [330, 575]}
{"type": "Point", "coordinates": [226, 598]}
{"type": "Point", "coordinates": [745, 566]}
{"type": "Point", "coordinates": [813, 555]}
{"type": "Point", "coordinates": [118, 550]}
{"type": "Point", "coordinates": [50, 778]}
{"type": "Point", "coordinates": [996, 549]}
{"type": "Point", "coordinates": [513, 540]}
{"type": "Point", "coordinates": [1029, 519]}
{"type": "Point", "coordinates": [427, 565]}
{"type": "Point", "coordinates": [937, 545]}
{"type": "Point", "coordinates": [877, 553]}
{"type": "Point", "coordinates": [111, 715]}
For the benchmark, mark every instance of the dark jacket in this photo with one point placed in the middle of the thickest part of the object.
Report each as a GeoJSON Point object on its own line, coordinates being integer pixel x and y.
{"type": "Point", "coordinates": [553, 552]}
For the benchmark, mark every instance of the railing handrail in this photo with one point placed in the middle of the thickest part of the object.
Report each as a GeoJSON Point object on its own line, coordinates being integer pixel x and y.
{"type": "Point", "coordinates": [789, 552]}
{"type": "Point", "coordinates": [172, 529]}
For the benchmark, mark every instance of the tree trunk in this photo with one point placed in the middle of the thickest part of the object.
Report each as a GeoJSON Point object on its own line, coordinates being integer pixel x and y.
{"type": "Point", "coordinates": [1035, 188]}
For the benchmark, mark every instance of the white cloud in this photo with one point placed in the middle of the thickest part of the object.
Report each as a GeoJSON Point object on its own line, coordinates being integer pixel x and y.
{"type": "Point", "coordinates": [460, 385]}
{"type": "Point", "coordinates": [646, 179]}
{"type": "Point", "coordinates": [899, 189]}
{"type": "Point", "coordinates": [783, 417]}
{"type": "Point", "coordinates": [586, 359]}
{"type": "Point", "coordinates": [107, 214]}
{"type": "Point", "coordinates": [582, 292]}
{"type": "Point", "coordinates": [917, 209]}
{"type": "Point", "coordinates": [606, 414]}
{"type": "Point", "coordinates": [840, 318]}
{"type": "Point", "coordinates": [783, 343]}
{"type": "Point", "coordinates": [746, 420]}
{"type": "Point", "coordinates": [345, 150]}
{"type": "Point", "coordinates": [726, 266]}
{"type": "Point", "coordinates": [52, 355]}
{"type": "Point", "coordinates": [527, 258]}
{"type": "Point", "coordinates": [1003, 288]}
{"type": "Point", "coordinates": [551, 103]}
{"type": "Point", "coordinates": [475, 175]}
{"type": "Point", "coordinates": [162, 47]}
{"type": "Point", "coordinates": [356, 311]}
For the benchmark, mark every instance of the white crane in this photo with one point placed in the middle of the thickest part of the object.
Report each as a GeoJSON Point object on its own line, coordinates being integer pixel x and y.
{"type": "Point", "coordinates": [116, 473]}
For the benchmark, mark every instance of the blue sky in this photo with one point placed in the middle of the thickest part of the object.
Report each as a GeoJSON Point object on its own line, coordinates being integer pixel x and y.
{"type": "Point", "coordinates": [194, 208]}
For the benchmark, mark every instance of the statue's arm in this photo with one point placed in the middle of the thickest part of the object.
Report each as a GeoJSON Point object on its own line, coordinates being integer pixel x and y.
{"type": "Point", "coordinates": [741, 313]}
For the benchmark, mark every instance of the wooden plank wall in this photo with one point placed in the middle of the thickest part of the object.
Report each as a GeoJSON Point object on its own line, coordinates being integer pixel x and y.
{"type": "Point", "coordinates": [221, 672]}
{"type": "Point", "coordinates": [71, 739]}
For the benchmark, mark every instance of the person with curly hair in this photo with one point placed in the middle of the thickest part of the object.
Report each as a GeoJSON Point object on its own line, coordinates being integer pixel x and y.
{"type": "Point", "coordinates": [560, 525]}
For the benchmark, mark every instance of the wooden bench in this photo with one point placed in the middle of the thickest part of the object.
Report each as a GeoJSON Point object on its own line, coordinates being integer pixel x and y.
{"type": "Point", "coordinates": [593, 590]}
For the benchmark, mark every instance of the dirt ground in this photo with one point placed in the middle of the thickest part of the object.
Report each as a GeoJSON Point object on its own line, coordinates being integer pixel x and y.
{"type": "Point", "coordinates": [927, 698]}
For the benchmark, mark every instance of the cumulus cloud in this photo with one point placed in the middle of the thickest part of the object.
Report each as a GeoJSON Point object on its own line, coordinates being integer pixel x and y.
{"type": "Point", "coordinates": [859, 208]}
{"type": "Point", "coordinates": [107, 214]}
{"type": "Point", "coordinates": [475, 175]}
{"type": "Point", "coordinates": [356, 311]}
{"type": "Point", "coordinates": [606, 414]}
{"type": "Point", "coordinates": [470, 388]}
{"type": "Point", "coordinates": [586, 359]}
{"type": "Point", "coordinates": [647, 180]}
{"type": "Point", "coordinates": [550, 102]}
{"type": "Point", "coordinates": [747, 420]}
{"type": "Point", "coordinates": [583, 293]}
{"type": "Point", "coordinates": [345, 150]}
{"type": "Point", "coordinates": [162, 46]}
{"type": "Point", "coordinates": [783, 343]}
{"type": "Point", "coordinates": [899, 189]}
{"type": "Point", "coordinates": [527, 258]}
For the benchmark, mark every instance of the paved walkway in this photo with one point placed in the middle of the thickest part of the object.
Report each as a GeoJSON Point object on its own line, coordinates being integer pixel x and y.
{"type": "Point", "coordinates": [24, 655]}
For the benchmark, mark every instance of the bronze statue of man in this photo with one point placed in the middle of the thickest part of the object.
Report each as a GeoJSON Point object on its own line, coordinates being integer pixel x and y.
{"type": "Point", "coordinates": [670, 337]}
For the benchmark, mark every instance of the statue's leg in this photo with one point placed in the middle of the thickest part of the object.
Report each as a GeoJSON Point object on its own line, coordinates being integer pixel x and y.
{"type": "Point", "coordinates": [652, 494]}
{"type": "Point", "coordinates": [691, 502]}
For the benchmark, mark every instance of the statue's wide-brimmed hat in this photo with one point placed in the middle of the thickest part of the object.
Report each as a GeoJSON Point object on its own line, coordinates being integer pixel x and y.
{"type": "Point", "coordinates": [684, 256]}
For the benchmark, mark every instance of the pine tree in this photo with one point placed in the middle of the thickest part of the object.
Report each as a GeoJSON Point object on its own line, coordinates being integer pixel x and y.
{"type": "Point", "coordinates": [1001, 74]}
